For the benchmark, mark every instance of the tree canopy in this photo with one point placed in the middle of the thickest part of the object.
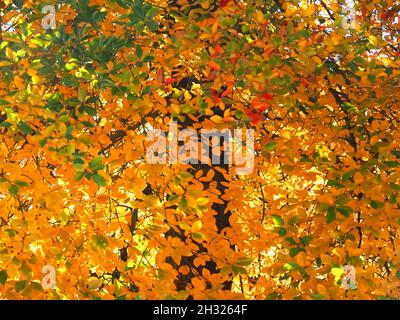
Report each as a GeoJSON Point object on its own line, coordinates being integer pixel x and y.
{"type": "Point", "coordinates": [317, 82]}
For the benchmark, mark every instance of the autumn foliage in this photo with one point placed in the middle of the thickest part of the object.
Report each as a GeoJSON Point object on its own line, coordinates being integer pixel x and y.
{"type": "Point", "coordinates": [76, 102]}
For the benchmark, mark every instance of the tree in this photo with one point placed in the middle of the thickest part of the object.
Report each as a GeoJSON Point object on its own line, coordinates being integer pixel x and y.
{"type": "Point", "coordinates": [79, 100]}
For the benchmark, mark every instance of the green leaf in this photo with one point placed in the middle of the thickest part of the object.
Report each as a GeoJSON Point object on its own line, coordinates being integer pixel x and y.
{"type": "Point", "coordinates": [148, 59]}
{"type": "Point", "coordinates": [11, 232]}
{"type": "Point", "coordinates": [18, 3]}
{"type": "Point", "coordinates": [184, 175]}
{"type": "Point", "coordinates": [295, 251]}
{"type": "Point", "coordinates": [391, 164]}
{"type": "Point", "coordinates": [291, 241]}
{"type": "Point", "coordinates": [293, 220]}
{"type": "Point", "coordinates": [334, 183]}
{"type": "Point", "coordinates": [125, 76]}
{"type": "Point", "coordinates": [317, 296]}
{"type": "Point", "coordinates": [344, 211]}
{"type": "Point", "coordinates": [183, 203]}
{"type": "Point", "coordinates": [278, 82]}
{"type": "Point", "coordinates": [99, 180]}
{"type": "Point", "coordinates": [139, 51]}
{"type": "Point", "coordinates": [13, 189]}
{"type": "Point", "coordinates": [305, 159]}
{"type": "Point", "coordinates": [331, 216]}
{"type": "Point", "coordinates": [146, 89]}
{"type": "Point", "coordinates": [92, 99]}
{"type": "Point", "coordinates": [245, 261]}
{"type": "Point", "coordinates": [82, 94]}
{"type": "Point", "coordinates": [238, 270]}
{"type": "Point", "coordinates": [291, 266]}
{"type": "Point", "coordinates": [90, 111]}
{"type": "Point", "coordinates": [6, 124]}
{"type": "Point", "coordinates": [20, 285]}
{"type": "Point", "coordinates": [79, 175]}
{"type": "Point", "coordinates": [3, 276]}
{"type": "Point", "coordinates": [282, 232]}
{"type": "Point", "coordinates": [100, 241]}
{"type": "Point", "coordinates": [376, 204]}
{"type": "Point", "coordinates": [270, 146]}
{"type": "Point", "coordinates": [304, 33]}
{"type": "Point", "coordinates": [278, 220]}
{"type": "Point", "coordinates": [152, 26]}
{"type": "Point", "coordinates": [37, 286]}
{"type": "Point", "coordinates": [22, 183]}
{"type": "Point", "coordinates": [198, 235]}
{"type": "Point", "coordinates": [240, 84]}
{"type": "Point", "coordinates": [25, 128]}
{"type": "Point", "coordinates": [95, 164]}
{"type": "Point", "coordinates": [78, 162]}
{"type": "Point", "coordinates": [272, 296]}
{"type": "Point", "coordinates": [26, 271]}
{"type": "Point", "coordinates": [394, 186]}
{"type": "Point", "coordinates": [306, 240]}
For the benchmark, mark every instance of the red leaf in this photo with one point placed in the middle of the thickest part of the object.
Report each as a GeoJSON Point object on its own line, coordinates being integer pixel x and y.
{"type": "Point", "coordinates": [267, 96]}
{"type": "Point", "coordinates": [169, 80]}
{"type": "Point", "coordinates": [254, 116]}
{"type": "Point", "coordinates": [215, 95]}
{"type": "Point", "coordinates": [263, 107]}
{"type": "Point", "coordinates": [226, 92]}
{"type": "Point", "coordinates": [160, 76]}
{"type": "Point", "coordinates": [218, 48]}
{"type": "Point", "coordinates": [214, 65]}
{"type": "Point", "coordinates": [224, 3]}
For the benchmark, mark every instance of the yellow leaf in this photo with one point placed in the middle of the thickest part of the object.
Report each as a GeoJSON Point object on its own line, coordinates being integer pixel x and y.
{"type": "Point", "coordinates": [4, 63]}
{"type": "Point", "coordinates": [322, 290]}
{"type": "Point", "coordinates": [19, 82]}
{"type": "Point", "coordinates": [196, 227]}
{"type": "Point", "coordinates": [201, 201]}
{"type": "Point", "coordinates": [184, 226]}
{"type": "Point", "coordinates": [326, 259]}
{"type": "Point", "coordinates": [32, 72]}
{"type": "Point", "coordinates": [3, 149]}
{"type": "Point", "coordinates": [95, 283]}
{"type": "Point", "coordinates": [358, 178]}
{"type": "Point", "coordinates": [317, 59]}
{"type": "Point", "coordinates": [214, 27]}
{"type": "Point", "coordinates": [309, 11]}
{"type": "Point", "coordinates": [259, 16]}
{"type": "Point", "coordinates": [205, 4]}
{"type": "Point", "coordinates": [217, 119]}
{"type": "Point", "coordinates": [35, 79]}
{"type": "Point", "coordinates": [82, 94]}
{"type": "Point", "coordinates": [389, 252]}
{"type": "Point", "coordinates": [9, 52]}
{"type": "Point", "coordinates": [373, 40]}
{"type": "Point", "coordinates": [301, 259]}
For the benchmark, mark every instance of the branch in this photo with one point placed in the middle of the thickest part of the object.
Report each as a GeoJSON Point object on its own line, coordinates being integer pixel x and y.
{"type": "Point", "coordinates": [327, 10]}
